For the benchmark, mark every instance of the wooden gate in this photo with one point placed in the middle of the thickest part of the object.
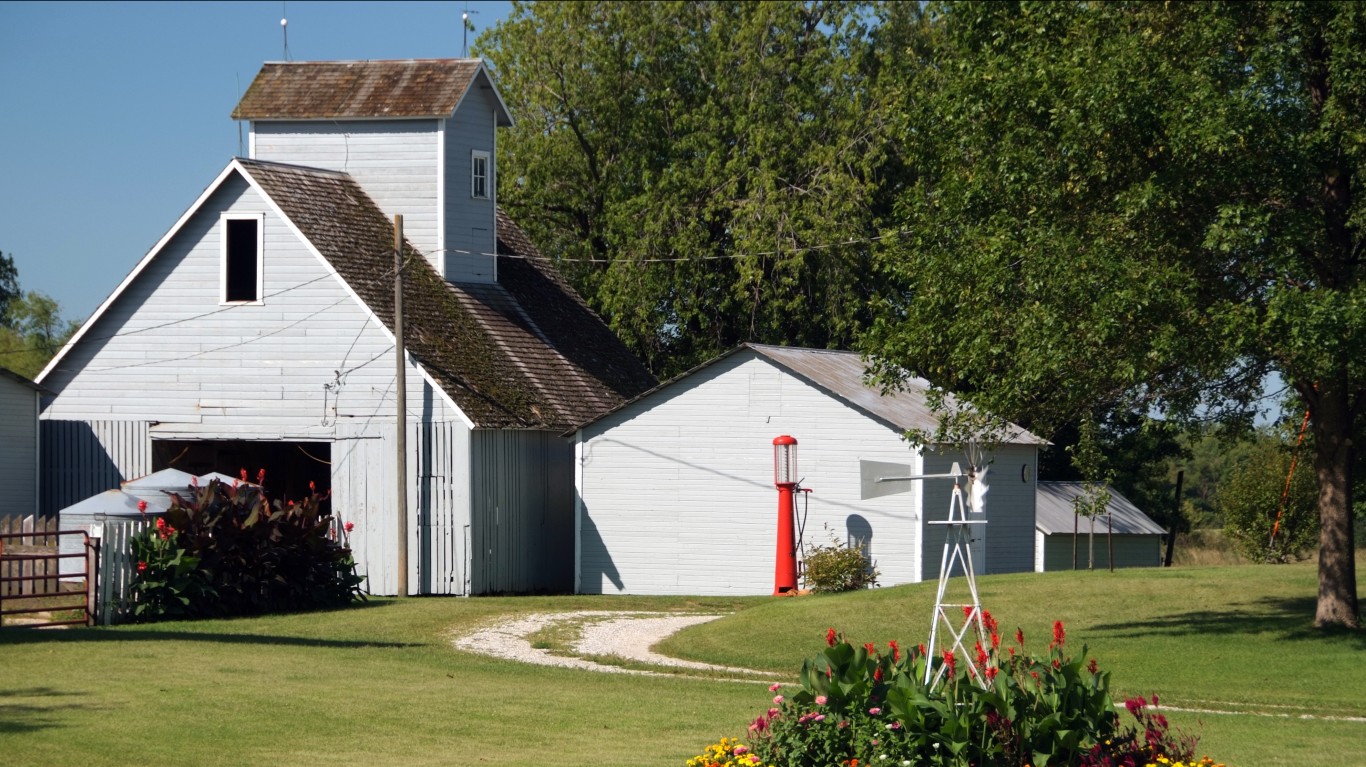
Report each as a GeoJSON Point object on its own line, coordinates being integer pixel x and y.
{"type": "Point", "coordinates": [32, 582]}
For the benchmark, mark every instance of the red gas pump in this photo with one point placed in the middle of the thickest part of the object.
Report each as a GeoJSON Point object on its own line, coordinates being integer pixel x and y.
{"type": "Point", "coordinates": [785, 477]}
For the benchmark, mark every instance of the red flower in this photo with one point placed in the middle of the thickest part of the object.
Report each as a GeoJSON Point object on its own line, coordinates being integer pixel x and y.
{"type": "Point", "coordinates": [877, 674]}
{"type": "Point", "coordinates": [1019, 636]}
{"type": "Point", "coordinates": [896, 651]}
{"type": "Point", "coordinates": [871, 648]}
{"type": "Point", "coordinates": [991, 672]}
{"type": "Point", "coordinates": [312, 488]}
{"type": "Point", "coordinates": [949, 661]}
{"type": "Point", "coordinates": [142, 506]}
{"type": "Point", "coordinates": [349, 526]}
{"type": "Point", "coordinates": [830, 638]}
{"type": "Point", "coordinates": [982, 656]}
{"type": "Point", "coordinates": [261, 477]}
{"type": "Point", "coordinates": [1059, 636]}
{"type": "Point", "coordinates": [995, 641]}
{"type": "Point", "coordinates": [967, 611]}
{"type": "Point", "coordinates": [921, 648]}
{"type": "Point", "coordinates": [1091, 666]}
{"type": "Point", "coordinates": [989, 622]}
{"type": "Point", "coordinates": [1135, 706]}
{"type": "Point", "coordinates": [243, 472]}
{"type": "Point", "coordinates": [142, 567]}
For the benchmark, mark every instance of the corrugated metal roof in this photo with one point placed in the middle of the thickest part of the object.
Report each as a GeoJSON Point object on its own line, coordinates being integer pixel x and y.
{"type": "Point", "coordinates": [524, 353]}
{"type": "Point", "coordinates": [299, 90]}
{"type": "Point", "coordinates": [1055, 514]}
{"type": "Point", "coordinates": [841, 373]}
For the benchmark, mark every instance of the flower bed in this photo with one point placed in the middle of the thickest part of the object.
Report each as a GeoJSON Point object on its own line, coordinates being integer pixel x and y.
{"type": "Point", "coordinates": [1001, 707]}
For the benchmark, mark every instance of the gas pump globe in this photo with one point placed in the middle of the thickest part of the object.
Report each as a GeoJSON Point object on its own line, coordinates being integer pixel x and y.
{"type": "Point", "coordinates": [785, 477]}
{"type": "Point", "coordinates": [784, 461]}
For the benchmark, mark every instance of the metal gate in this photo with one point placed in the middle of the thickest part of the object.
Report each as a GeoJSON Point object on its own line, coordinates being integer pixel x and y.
{"type": "Point", "coordinates": [32, 581]}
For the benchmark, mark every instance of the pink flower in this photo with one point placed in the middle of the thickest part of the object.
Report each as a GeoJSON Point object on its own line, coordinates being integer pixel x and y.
{"type": "Point", "coordinates": [771, 688]}
{"type": "Point", "coordinates": [818, 718]}
{"type": "Point", "coordinates": [874, 711]}
{"type": "Point", "coordinates": [740, 750]}
{"type": "Point", "coordinates": [777, 700]}
{"type": "Point", "coordinates": [820, 700]}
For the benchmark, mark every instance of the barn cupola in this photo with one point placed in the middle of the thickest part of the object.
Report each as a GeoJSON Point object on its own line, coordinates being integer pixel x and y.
{"type": "Point", "coordinates": [419, 136]}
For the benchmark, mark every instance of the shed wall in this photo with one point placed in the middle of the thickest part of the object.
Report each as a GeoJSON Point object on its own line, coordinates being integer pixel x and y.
{"type": "Point", "coordinates": [522, 509]}
{"type": "Point", "coordinates": [469, 221]}
{"type": "Point", "coordinates": [1009, 532]}
{"type": "Point", "coordinates": [676, 491]}
{"type": "Point", "coordinates": [18, 447]}
{"type": "Point", "coordinates": [1130, 550]}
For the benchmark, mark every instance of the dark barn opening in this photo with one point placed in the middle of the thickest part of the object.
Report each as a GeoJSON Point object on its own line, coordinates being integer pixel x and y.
{"type": "Point", "coordinates": [289, 466]}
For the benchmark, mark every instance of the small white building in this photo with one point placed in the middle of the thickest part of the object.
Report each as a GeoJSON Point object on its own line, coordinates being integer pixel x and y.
{"type": "Point", "coordinates": [20, 400]}
{"type": "Point", "coordinates": [1060, 532]}
{"type": "Point", "coordinates": [676, 493]}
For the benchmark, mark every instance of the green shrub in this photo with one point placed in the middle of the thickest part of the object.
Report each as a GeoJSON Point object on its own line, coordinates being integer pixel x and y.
{"type": "Point", "coordinates": [1250, 499]}
{"type": "Point", "coordinates": [230, 550]}
{"type": "Point", "coordinates": [837, 567]}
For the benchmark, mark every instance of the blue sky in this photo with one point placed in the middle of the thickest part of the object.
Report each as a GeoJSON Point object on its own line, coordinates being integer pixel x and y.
{"type": "Point", "coordinates": [115, 116]}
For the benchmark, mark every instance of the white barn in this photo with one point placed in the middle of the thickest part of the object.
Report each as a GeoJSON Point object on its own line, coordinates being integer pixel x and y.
{"type": "Point", "coordinates": [676, 494]}
{"type": "Point", "coordinates": [259, 333]}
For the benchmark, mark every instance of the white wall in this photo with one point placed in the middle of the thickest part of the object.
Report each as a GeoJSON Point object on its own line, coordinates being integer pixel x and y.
{"type": "Point", "coordinates": [676, 491]}
{"type": "Point", "coordinates": [469, 222]}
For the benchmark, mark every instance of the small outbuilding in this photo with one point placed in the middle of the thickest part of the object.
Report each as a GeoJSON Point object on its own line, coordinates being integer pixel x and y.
{"type": "Point", "coordinates": [1135, 539]}
{"type": "Point", "coordinates": [676, 495]}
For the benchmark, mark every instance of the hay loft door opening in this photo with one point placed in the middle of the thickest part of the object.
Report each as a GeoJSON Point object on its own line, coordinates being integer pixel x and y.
{"type": "Point", "coordinates": [289, 466]}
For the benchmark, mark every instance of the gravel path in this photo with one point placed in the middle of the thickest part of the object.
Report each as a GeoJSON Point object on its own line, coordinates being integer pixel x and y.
{"type": "Point", "coordinates": [625, 635]}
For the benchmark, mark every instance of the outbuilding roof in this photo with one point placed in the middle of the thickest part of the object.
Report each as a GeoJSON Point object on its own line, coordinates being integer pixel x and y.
{"type": "Point", "coordinates": [412, 88]}
{"type": "Point", "coordinates": [841, 374]}
{"type": "Point", "coordinates": [1055, 513]}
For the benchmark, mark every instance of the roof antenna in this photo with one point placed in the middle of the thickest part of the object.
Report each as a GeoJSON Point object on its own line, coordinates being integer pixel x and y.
{"type": "Point", "coordinates": [284, 25]}
{"type": "Point", "coordinates": [467, 27]}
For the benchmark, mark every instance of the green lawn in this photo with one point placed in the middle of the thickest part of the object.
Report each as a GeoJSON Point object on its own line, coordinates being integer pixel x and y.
{"type": "Point", "coordinates": [381, 684]}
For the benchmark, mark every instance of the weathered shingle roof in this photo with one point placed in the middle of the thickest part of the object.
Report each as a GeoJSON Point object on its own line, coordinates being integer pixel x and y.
{"type": "Point", "coordinates": [297, 90]}
{"type": "Point", "coordinates": [1054, 512]}
{"type": "Point", "coordinates": [524, 353]}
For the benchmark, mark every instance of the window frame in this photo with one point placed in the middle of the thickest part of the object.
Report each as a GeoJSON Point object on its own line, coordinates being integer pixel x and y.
{"type": "Point", "coordinates": [224, 256]}
{"type": "Point", "coordinates": [476, 156]}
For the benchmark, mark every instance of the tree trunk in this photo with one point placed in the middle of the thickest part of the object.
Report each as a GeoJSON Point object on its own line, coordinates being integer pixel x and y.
{"type": "Point", "coordinates": [1333, 459]}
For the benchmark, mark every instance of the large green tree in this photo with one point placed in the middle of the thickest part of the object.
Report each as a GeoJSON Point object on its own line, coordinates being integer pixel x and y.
{"type": "Point", "coordinates": [699, 169]}
{"type": "Point", "coordinates": [1146, 207]}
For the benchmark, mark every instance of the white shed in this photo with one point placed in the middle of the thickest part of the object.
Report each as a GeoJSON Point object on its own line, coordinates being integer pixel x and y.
{"type": "Point", "coordinates": [676, 494]}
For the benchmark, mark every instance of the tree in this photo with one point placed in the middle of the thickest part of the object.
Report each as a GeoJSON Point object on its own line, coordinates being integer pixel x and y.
{"type": "Point", "coordinates": [33, 332]}
{"type": "Point", "coordinates": [9, 283]}
{"type": "Point", "coordinates": [699, 170]}
{"type": "Point", "coordinates": [1140, 207]}
{"type": "Point", "coordinates": [1254, 499]}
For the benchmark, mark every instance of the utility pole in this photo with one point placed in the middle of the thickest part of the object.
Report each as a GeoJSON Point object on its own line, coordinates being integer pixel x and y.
{"type": "Point", "coordinates": [401, 427]}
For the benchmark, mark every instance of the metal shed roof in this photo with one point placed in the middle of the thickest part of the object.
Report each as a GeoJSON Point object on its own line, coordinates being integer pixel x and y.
{"type": "Point", "coordinates": [1055, 514]}
{"type": "Point", "coordinates": [841, 373]}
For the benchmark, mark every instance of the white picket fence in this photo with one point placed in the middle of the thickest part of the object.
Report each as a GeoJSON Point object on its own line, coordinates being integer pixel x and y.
{"type": "Point", "coordinates": [117, 566]}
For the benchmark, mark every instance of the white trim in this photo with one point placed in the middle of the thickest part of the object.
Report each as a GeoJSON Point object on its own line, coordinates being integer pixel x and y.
{"type": "Point", "coordinates": [578, 511]}
{"type": "Point", "coordinates": [475, 156]}
{"type": "Point", "coordinates": [441, 198]}
{"type": "Point", "coordinates": [223, 219]}
{"type": "Point", "coordinates": [251, 139]}
{"type": "Point", "coordinates": [493, 198]}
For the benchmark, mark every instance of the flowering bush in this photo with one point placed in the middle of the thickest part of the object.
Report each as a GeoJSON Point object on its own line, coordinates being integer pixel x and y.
{"type": "Point", "coordinates": [230, 550]}
{"type": "Point", "coordinates": [1000, 707]}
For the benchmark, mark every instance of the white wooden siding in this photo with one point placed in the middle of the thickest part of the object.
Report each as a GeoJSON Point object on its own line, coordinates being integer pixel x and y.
{"type": "Point", "coordinates": [676, 493]}
{"type": "Point", "coordinates": [1009, 533]}
{"type": "Point", "coordinates": [18, 447]}
{"type": "Point", "coordinates": [84, 458]}
{"type": "Point", "coordinates": [522, 515]}
{"type": "Point", "coordinates": [469, 222]}
{"type": "Point", "coordinates": [166, 352]}
{"type": "Point", "coordinates": [394, 161]}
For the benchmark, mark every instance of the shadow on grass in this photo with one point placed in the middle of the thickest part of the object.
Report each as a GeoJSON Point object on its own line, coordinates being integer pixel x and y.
{"type": "Point", "coordinates": [1289, 618]}
{"type": "Point", "coordinates": [154, 632]}
{"type": "Point", "coordinates": [18, 718]}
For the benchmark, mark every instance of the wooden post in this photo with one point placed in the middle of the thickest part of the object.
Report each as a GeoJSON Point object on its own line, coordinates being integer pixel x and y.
{"type": "Point", "coordinates": [1076, 531]}
{"type": "Point", "coordinates": [401, 432]}
{"type": "Point", "coordinates": [1176, 515]}
{"type": "Point", "coordinates": [92, 579]}
{"type": "Point", "coordinates": [1110, 540]}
